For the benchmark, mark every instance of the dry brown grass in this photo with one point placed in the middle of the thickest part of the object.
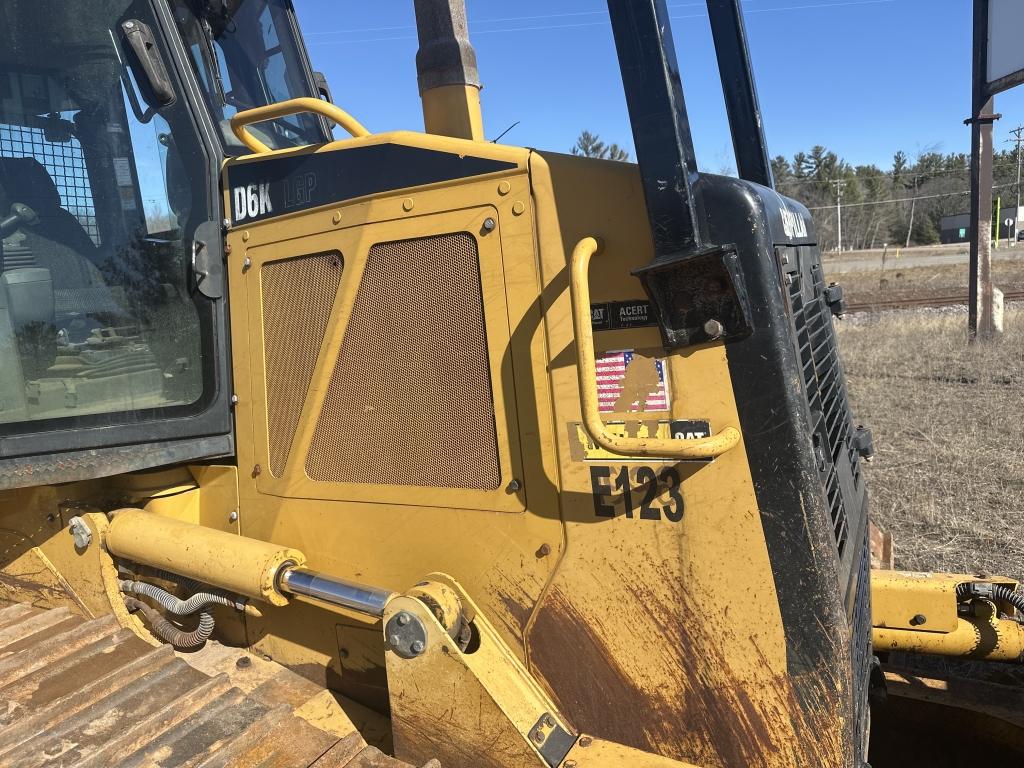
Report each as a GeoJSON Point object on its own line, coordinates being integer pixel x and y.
{"type": "Point", "coordinates": [948, 422]}
{"type": "Point", "coordinates": [895, 282]}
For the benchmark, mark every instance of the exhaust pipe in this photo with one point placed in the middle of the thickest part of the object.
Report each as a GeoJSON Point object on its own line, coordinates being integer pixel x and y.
{"type": "Point", "coordinates": [446, 70]}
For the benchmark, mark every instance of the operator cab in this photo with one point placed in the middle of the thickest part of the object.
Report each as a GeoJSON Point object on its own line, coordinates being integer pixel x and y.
{"type": "Point", "coordinates": [113, 125]}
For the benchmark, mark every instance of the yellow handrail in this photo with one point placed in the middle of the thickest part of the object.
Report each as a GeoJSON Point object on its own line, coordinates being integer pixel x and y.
{"type": "Point", "coordinates": [586, 367]}
{"type": "Point", "coordinates": [294, 106]}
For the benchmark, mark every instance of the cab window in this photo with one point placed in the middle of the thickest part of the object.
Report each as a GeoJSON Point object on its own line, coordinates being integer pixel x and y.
{"type": "Point", "coordinates": [100, 196]}
{"type": "Point", "coordinates": [246, 55]}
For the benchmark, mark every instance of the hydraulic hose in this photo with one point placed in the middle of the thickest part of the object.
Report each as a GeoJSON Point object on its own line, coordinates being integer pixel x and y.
{"type": "Point", "coordinates": [175, 605]}
{"type": "Point", "coordinates": [997, 592]}
{"type": "Point", "coordinates": [172, 634]}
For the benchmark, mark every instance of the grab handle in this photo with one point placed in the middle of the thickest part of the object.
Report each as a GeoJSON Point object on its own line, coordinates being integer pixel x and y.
{"type": "Point", "coordinates": [320, 107]}
{"type": "Point", "coordinates": [586, 367]}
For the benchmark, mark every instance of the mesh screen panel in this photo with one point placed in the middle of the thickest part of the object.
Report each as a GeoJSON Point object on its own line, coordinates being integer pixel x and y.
{"type": "Point", "coordinates": [297, 298]}
{"type": "Point", "coordinates": [409, 402]}
{"type": "Point", "coordinates": [64, 162]}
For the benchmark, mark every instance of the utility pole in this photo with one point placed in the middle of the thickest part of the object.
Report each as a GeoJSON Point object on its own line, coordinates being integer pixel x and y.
{"type": "Point", "coordinates": [1018, 139]}
{"type": "Point", "coordinates": [913, 207]}
{"type": "Point", "coordinates": [981, 119]}
{"type": "Point", "coordinates": [839, 213]}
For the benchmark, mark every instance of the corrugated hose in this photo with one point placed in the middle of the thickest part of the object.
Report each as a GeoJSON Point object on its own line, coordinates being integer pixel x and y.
{"type": "Point", "coordinates": [175, 605]}
{"type": "Point", "coordinates": [997, 591]}
{"type": "Point", "coordinates": [176, 636]}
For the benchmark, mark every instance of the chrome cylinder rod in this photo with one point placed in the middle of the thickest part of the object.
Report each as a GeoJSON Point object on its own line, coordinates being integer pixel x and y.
{"type": "Point", "coordinates": [346, 594]}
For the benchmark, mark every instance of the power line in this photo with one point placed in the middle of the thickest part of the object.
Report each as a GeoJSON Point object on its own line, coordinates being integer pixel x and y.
{"type": "Point", "coordinates": [887, 176]}
{"type": "Point", "coordinates": [902, 199]}
{"type": "Point", "coordinates": [540, 27]}
{"type": "Point", "coordinates": [474, 22]}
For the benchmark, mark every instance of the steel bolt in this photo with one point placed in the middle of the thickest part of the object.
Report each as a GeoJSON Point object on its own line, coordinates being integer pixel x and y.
{"type": "Point", "coordinates": [569, 764]}
{"type": "Point", "coordinates": [257, 470]}
{"type": "Point", "coordinates": [548, 721]}
{"type": "Point", "coordinates": [417, 646]}
{"type": "Point", "coordinates": [234, 399]}
{"type": "Point", "coordinates": [514, 486]}
{"type": "Point", "coordinates": [544, 550]}
{"type": "Point", "coordinates": [393, 641]}
{"type": "Point", "coordinates": [246, 263]}
{"type": "Point", "coordinates": [403, 619]}
{"type": "Point", "coordinates": [918, 620]}
{"type": "Point", "coordinates": [713, 329]}
{"type": "Point", "coordinates": [489, 224]}
{"type": "Point", "coordinates": [538, 736]}
{"type": "Point", "coordinates": [585, 741]}
{"type": "Point", "coordinates": [233, 516]}
{"type": "Point", "coordinates": [244, 662]}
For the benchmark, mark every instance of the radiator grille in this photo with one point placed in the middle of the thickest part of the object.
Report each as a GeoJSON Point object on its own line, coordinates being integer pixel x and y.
{"type": "Point", "coordinates": [298, 295]}
{"type": "Point", "coordinates": [409, 401]}
{"type": "Point", "coordinates": [825, 389]}
{"type": "Point", "coordinates": [861, 652]}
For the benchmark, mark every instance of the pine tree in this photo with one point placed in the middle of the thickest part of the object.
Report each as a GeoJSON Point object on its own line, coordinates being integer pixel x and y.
{"type": "Point", "coordinates": [590, 145]}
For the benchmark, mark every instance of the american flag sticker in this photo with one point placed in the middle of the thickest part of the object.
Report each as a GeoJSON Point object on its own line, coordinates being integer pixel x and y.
{"type": "Point", "coordinates": [630, 382]}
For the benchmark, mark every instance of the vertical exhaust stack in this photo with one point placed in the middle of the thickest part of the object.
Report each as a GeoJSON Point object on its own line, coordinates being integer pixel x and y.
{"type": "Point", "coordinates": [446, 70]}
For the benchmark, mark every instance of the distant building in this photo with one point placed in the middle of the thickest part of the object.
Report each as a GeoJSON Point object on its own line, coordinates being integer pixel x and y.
{"type": "Point", "coordinates": [957, 229]}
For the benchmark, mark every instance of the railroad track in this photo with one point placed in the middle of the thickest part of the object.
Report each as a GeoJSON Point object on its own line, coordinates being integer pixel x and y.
{"type": "Point", "coordinates": [928, 301]}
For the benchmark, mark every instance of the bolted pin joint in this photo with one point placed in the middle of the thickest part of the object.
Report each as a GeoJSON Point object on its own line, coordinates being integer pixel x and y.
{"type": "Point", "coordinates": [406, 635]}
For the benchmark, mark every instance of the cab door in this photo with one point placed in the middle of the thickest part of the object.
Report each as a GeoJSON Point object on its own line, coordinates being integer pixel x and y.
{"type": "Point", "coordinates": [112, 322]}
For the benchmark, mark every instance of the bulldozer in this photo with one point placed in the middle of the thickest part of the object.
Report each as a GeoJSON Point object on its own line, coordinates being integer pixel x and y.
{"type": "Point", "coordinates": [417, 449]}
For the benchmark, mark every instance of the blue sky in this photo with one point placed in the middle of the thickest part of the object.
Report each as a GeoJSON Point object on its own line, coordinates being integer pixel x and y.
{"type": "Point", "coordinates": [862, 77]}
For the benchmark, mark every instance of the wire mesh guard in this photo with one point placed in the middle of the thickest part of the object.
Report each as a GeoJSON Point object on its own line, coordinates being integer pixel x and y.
{"type": "Point", "coordinates": [64, 161]}
{"type": "Point", "coordinates": [298, 295]}
{"type": "Point", "coordinates": [409, 401]}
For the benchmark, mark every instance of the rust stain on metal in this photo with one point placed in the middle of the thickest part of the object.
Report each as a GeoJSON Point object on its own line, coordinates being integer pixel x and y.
{"type": "Point", "coordinates": [706, 715]}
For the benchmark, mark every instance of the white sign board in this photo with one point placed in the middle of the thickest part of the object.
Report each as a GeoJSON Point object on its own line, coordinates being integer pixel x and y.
{"type": "Point", "coordinates": [1005, 43]}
